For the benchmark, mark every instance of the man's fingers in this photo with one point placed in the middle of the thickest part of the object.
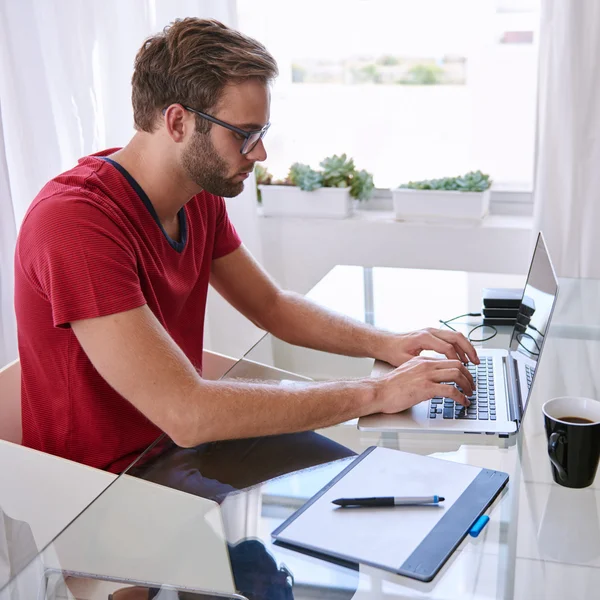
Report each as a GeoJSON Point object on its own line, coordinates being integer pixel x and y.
{"type": "Point", "coordinates": [449, 391]}
{"type": "Point", "coordinates": [461, 344]}
{"type": "Point", "coordinates": [441, 346]}
{"type": "Point", "coordinates": [443, 365]}
{"type": "Point", "coordinates": [467, 348]}
{"type": "Point", "coordinates": [458, 377]}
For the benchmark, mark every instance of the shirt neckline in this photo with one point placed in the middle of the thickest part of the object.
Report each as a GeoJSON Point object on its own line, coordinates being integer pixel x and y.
{"type": "Point", "coordinates": [137, 188]}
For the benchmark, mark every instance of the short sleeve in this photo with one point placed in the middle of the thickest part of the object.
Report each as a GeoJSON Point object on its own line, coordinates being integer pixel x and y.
{"type": "Point", "coordinates": [78, 258]}
{"type": "Point", "coordinates": [226, 238]}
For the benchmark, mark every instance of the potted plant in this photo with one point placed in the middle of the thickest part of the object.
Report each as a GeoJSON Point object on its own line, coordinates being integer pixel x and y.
{"type": "Point", "coordinates": [263, 177]}
{"type": "Point", "coordinates": [460, 199]}
{"type": "Point", "coordinates": [327, 192]}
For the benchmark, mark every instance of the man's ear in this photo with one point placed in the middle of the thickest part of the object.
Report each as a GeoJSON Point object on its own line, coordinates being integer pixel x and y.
{"type": "Point", "coordinates": [178, 122]}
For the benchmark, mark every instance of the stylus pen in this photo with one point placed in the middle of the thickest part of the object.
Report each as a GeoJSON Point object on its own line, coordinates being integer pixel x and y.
{"type": "Point", "coordinates": [388, 501]}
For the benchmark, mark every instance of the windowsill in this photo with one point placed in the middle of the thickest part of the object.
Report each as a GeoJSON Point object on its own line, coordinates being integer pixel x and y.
{"type": "Point", "coordinates": [492, 221]}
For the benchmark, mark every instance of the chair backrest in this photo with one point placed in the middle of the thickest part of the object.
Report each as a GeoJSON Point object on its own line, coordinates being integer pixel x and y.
{"type": "Point", "coordinates": [10, 403]}
{"type": "Point", "coordinates": [215, 365]}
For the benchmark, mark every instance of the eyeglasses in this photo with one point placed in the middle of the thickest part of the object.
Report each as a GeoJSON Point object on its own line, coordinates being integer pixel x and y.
{"type": "Point", "coordinates": [251, 138]}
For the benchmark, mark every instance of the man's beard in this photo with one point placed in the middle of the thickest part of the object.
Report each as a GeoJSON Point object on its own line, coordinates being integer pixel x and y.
{"type": "Point", "coordinates": [207, 169]}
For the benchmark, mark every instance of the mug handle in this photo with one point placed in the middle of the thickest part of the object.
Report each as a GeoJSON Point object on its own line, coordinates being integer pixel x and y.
{"type": "Point", "coordinates": [553, 440]}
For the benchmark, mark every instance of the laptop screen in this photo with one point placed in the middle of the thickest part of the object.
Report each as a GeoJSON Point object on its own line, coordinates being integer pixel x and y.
{"type": "Point", "coordinates": [536, 308]}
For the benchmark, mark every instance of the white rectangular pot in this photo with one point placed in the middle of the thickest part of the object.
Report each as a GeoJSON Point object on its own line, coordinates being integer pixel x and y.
{"type": "Point", "coordinates": [291, 201]}
{"type": "Point", "coordinates": [440, 205]}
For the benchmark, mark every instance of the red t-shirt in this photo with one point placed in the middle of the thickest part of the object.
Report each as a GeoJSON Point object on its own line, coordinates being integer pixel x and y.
{"type": "Point", "coordinates": [91, 245]}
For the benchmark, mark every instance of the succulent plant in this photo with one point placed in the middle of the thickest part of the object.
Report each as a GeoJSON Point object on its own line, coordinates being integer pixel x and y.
{"type": "Point", "coordinates": [362, 185]}
{"type": "Point", "coordinates": [336, 171]}
{"type": "Point", "coordinates": [304, 177]}
{"type": "Point", "coordinates": [474, 181]}
{"type": "Point", "coordinates": [262, 175]}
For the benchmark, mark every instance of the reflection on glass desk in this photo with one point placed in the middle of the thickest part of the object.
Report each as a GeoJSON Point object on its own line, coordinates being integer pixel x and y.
{"type": "Point", "coordinates": [542, 541]}
{"type": "Point", "coordinates": [40, 495]}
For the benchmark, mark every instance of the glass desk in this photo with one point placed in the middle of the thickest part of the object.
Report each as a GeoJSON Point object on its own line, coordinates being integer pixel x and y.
{"type": "Point", "coordinates": [542, 541]}
{"type": "Point", "coordinates": [40, 495]}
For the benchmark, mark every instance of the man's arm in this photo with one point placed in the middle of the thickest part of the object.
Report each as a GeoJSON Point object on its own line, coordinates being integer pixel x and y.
{"type": "Point", "coordinates": [295, 319]}
{"type": "Point", "coordinates": [136, 356]}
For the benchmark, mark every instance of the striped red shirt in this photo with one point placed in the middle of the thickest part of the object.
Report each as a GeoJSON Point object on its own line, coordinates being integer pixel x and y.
{"type": "Point", "coordinates": [91, 245]}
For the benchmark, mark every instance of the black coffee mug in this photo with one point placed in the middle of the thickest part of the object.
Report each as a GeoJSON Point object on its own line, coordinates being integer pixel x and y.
{"type": "Point", "coordinates": [573, 432]}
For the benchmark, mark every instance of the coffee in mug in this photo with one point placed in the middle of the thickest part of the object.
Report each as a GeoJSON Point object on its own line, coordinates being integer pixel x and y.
{"type": "Point", "coordinates": [579, 420]}
{"type": "Point", "coordinates": [573, 431]}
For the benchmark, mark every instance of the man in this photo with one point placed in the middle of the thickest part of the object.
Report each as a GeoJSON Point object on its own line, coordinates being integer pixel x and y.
{"type": "Point", "coordinates": [113, 263]}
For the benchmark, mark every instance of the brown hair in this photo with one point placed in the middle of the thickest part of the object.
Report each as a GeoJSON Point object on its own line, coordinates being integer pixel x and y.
{"type": "Point", "coordinates": [190, 62]}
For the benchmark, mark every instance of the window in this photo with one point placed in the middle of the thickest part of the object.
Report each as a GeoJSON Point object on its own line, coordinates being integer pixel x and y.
{"type": "Point", "coordinates": [409, 89]}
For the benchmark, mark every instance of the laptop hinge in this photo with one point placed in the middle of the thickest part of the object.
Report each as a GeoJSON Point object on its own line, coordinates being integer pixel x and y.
{"type": "Point", "coordinates": [513, 388]}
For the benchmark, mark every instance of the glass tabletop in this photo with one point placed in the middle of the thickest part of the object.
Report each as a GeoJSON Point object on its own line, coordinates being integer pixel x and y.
{"type": "Point", "coordinates": [542, 541]}
{"type": "Point", "coordinates": [40, 495]}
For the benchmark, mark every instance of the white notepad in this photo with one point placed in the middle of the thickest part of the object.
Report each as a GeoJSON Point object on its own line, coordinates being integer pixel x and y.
{"type": "Point", "coordinates": [410, 540]}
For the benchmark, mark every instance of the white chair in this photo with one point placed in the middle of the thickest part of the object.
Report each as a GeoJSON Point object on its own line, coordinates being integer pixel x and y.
{"type": "Point", "coordinates": [10, 402]}
{"type": "Point", "coordinates": [215, 365]}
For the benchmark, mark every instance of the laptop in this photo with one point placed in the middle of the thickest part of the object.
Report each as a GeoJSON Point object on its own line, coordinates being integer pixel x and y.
{"type": "Point", "coordinates": [504, 379]}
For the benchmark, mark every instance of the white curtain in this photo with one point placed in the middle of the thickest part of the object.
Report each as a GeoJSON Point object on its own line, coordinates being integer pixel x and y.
{"type": "Point", "coordinates": [65, 72]}
{"type": "Point", "coordinates": [8, 232]}
{"type": "Point", "coordinates": [567, 182]}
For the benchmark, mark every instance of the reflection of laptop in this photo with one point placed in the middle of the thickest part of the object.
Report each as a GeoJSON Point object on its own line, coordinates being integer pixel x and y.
{"type": "Point", "coordinates": [141, 533]}
{"type": "Point", "coordinates": [504, 378]}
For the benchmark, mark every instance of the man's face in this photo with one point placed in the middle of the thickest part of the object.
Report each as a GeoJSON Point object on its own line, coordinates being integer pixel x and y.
{"type": "Point", "coordinates": [213, 160]}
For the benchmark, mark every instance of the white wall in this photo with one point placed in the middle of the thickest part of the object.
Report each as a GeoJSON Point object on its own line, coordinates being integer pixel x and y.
{"type": "Point", "coordinates": [225, 330]}
{"type": "Point", "coordinates": [298, 252]}
{"type": "Point", "coordinates": [8, 233]}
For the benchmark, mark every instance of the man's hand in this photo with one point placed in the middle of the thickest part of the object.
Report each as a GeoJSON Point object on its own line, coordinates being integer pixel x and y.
{"type": "Point", "coordinates": [402, 347]}
{"type": "Point", "coordinates": [422, 378]}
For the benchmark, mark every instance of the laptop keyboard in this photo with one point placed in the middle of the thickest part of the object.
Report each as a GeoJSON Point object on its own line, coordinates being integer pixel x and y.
{"type": "Point", "coordinates": [483, 400]}
{"type": "Point", "coordinates": [529, 374]}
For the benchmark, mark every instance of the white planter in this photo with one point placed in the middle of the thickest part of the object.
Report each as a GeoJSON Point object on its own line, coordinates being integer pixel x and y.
{"type": "Point", "coordinates": [290, 201]}
{"type": "Point", "coordinates": [436, 205]}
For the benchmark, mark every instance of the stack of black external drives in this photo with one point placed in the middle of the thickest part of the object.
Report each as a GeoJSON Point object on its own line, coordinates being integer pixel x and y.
{"type": "Point", "coordinates": [501, 305]}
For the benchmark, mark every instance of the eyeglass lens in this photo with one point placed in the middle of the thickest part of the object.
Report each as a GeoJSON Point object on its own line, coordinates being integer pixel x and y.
{"type": "Point", "coordinates": [251, 141]}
